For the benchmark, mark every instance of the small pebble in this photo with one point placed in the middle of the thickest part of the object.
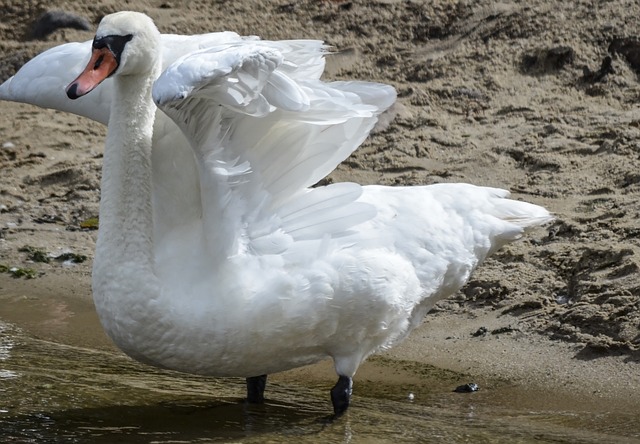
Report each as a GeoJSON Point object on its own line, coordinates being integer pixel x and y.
{"type": "Point", "coordinates": [411, 397]}
{"type": "Point", "coordinates": [467, 388]}
{"type": "Point", "coordinates": [8, 145]}
{"type": "Point", "coordinates": [482, 331]}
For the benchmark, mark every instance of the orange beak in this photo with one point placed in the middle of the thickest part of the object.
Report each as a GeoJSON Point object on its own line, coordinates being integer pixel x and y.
{"type": "Point", "coordinates": [102, 64]}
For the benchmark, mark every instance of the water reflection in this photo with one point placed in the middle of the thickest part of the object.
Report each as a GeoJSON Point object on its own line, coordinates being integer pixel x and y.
{"type": "Point", "coordinates": [71, 394]}
{"type": "Point", "coordinates": [196, 421]}
{"type": "Point", "coordinates": [6, 344]}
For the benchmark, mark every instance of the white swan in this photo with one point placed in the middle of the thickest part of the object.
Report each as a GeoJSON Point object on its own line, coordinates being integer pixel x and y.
{"type": "Point", "coordinates": [259, 273]}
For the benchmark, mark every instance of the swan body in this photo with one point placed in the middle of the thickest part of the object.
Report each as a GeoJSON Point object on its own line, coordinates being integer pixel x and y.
{"type": "Point", "coordinates": [247, 270]}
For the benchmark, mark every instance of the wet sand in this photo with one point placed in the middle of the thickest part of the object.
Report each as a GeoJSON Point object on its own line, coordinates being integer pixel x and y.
{"type": "Point", "coordinates": [63, 377]}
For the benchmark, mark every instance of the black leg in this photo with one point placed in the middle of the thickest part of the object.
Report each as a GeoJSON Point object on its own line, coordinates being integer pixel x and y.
{"type": "Point", "coordinates": [341, 395]}
{"type": "Point", "coordinates": [255, 389]}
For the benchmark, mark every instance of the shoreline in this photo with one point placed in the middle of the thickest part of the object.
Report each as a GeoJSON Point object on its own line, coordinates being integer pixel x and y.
{"type": "Point", "coordinates": [58, 307]}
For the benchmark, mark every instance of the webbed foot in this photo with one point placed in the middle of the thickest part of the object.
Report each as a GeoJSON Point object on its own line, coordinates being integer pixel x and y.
{"type": "Point", "coordinates": [341, 395]}
{"type": "Point", "coordinates": [255, 389]}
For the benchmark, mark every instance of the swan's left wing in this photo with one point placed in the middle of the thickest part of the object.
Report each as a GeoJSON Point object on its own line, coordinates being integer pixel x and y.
{"type": "Point", "coordinates": [43, 79]}
{"type": "Point", "coordinates": [266, 133]}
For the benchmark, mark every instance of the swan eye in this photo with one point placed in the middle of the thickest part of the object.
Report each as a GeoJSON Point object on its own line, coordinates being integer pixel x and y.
{"type": "Point", "coordinates": [98, 62]}
{"type": "Point", "coordinates": [114, 43]}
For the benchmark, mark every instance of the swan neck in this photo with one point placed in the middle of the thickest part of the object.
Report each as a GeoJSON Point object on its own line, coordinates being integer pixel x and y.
{"type": "Point", "coordinates": [126, 216]}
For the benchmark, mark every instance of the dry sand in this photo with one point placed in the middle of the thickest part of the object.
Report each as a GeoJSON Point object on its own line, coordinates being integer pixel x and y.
{"type": "Point", "coordinates": [498, 94]}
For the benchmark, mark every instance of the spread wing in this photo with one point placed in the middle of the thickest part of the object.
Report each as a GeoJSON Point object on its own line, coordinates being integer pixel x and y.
{"type": "Point", "coordinates": [264, 129]}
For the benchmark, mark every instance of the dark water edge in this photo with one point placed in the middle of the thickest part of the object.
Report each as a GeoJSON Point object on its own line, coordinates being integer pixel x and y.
{"type": "Point", "coordinates": [52, 393]}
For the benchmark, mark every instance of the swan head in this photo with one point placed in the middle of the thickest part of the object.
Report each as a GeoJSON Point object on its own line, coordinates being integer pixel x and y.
{"type": "Point", "coordinates": [126, 43]}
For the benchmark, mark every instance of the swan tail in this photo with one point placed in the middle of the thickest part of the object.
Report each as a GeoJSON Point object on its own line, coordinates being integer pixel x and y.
{"type": "Point", "coordinates": [524, 214]}
{"type": "Point", "coordinates": [516, 217]}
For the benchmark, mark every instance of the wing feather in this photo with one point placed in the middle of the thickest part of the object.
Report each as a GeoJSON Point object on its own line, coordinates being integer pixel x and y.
{"type": "Point", "coordinates": [269, 134]}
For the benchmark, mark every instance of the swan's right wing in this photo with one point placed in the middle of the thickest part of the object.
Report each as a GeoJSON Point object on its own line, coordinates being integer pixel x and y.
{"type": "Point", "coordinates": [249, 103]}
{"type": "Point", "coordinates": [265, 135]}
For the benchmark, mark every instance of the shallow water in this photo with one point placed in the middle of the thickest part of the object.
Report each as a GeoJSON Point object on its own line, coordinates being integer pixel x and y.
{"type": "Point", "coordinates": [61, 381]}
